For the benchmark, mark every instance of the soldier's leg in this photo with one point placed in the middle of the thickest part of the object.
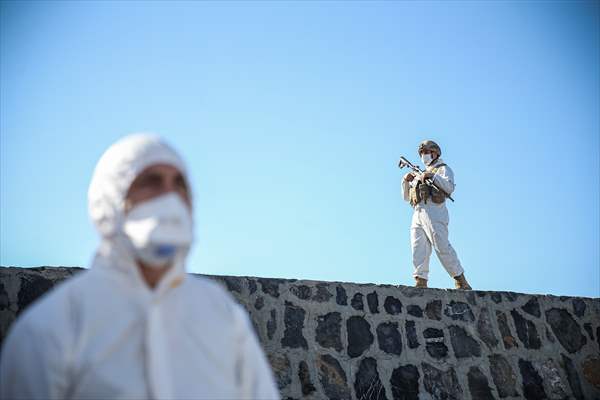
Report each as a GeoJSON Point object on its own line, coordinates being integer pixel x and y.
{"type": "Point", "coordinates": [421, 249]}
{"type": "Point", "coordinates": [444, 249]}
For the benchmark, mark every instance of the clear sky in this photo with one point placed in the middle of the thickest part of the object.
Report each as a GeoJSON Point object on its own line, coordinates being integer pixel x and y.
{"type": "Point", "coordinates": [292, 117]}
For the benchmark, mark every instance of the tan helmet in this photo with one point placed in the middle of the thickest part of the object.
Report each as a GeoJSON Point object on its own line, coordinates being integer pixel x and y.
{"type": "Point", "coordinates": [430, 145]}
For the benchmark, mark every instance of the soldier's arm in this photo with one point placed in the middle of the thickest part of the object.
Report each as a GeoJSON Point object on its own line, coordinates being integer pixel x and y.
{"type": "Point", "coordinates": [444, 179]}
{"type": "Point", "coordinates": [406, 187]}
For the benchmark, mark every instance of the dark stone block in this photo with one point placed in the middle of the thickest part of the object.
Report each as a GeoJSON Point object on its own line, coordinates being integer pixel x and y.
{"type": "Point", "coordinates": [507, 338]}
{"type": "Point", "coordinates": [340, 296]}
{"type": "Point", "coordinates": [259, 303]}
{"type": "Point", "coordinates": [598, 337]}
{"type": "Point", "coordinates": [459, 311]}
{"type": "Point", "coordinates": [405, 383]}
{"type": "Point", "coordinates": [566, 329]}
{"type": "Point", "coordinates": [251, 286]}
{"type": "Point", "coordinates": [233, 284]}
{"type": "Point", "coordinates": [442, 385]}
{"type": "Point", "coordinates": [478, 385]}
{"type": "Point", "coordinates": [533, 385]}
{"type": "Point", "coordinates": [270, 286]}
{"type": "Point", "coordinates": [294, 322]}
{"type": "Point", "coordinates": [32, 287]}
{"type": "Point", "coordinates": [496, 297]}
{"type": "Point", "coordinates": [573, 378]}
{"type": "Point", "coordinates": [272, 324]}
{"type": "Point", "coordinates": [357, 302]}
{"type": "Point", "coordinates": [590, 331]}
{"type": "Point", "coordinates": [367, 384]}
{"type": "Point", "coordinates": [532, 307]}
{"type": "Point", "coordinates": [579, 307]}
{"type": "Point", "coordinates": [432, 333]}
{"type": "Point", "coordinates": [591, 371]}
{"type": "Point", "coordinates": [471, 298]}
{"type": "Point", "coordinates": [392, 305]}
{"type": "Point", "coordinates": [322, 294]}
{"type": "Point", "coordinates": [3, 297]}
{"type": "Point", "coordinates": [433, 310]}
{"type": "Point", "coordinates": [434, 343]}
{"type": "Point", "coordinates": [411, 334]}
{"type": "Point", "coordinates": [415, 311]}
{"type": "Point", "coordinates": [486, 330]}
{"type": "Point", "coordinates": [305, 381]}
{"type": "Point", "coordinates": [526, 331]}
{"type": "Point", "coordinates": [360, 337]}
{"type": "Point", "coordinates": [503, 376]}
{"type": "Point", "coordinates": [389, 338]}
{"type": "Point", "coordinates": [282, 370]}
{"type": "Point", "coordinates": [462, 343]}
{"type": "Point", "coordinates": [511, 296]}
{"type": "Point", "coordinates": [302, 292]}
{"type": "Point", "coordinates": [328, 332]}
{"type": "Point", "coordinates": [373, 302]}
{"type": "Point", "coordinates": [332, 378]}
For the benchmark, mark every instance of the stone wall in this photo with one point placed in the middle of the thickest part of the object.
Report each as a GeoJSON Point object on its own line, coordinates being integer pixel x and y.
{"type": "Point", "coordinates": [349, 341]}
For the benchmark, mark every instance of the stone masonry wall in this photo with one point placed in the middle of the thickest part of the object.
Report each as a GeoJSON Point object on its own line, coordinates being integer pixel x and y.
{"type": "Point", "coordinates": [332, 340]}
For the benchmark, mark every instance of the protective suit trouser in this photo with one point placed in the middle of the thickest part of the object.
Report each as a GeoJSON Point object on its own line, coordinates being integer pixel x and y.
{"type": "Point", "coordinates": [429, 229]}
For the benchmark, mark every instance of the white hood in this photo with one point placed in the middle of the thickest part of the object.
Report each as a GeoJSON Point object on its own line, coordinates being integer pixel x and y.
{"type": "Point", "coordinates": [116, 170]}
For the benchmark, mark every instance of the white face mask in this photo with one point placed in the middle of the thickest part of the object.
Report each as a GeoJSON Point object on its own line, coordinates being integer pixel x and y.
{"type": "Point", "coordinates": [159, 230]}
{"type": "Point", "coordinates": [426, 158]}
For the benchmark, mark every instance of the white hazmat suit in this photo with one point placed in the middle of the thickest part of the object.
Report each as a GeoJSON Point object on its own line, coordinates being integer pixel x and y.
{"type": "Point", "coordinates": [429, 227]}
{"type": "Point", "coordinates": [104, 334]}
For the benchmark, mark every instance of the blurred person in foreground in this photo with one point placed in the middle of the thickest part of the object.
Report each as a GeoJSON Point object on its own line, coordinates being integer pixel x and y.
{"type": "Point", "coordinates": [135, 326]}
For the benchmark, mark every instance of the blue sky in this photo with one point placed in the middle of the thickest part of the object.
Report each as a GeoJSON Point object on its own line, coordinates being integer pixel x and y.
{"type": "Point", "coordinates": [292, 116]}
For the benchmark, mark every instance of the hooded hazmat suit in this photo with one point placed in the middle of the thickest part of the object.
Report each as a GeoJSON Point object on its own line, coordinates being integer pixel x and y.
{"type": "Point", "coordinates": [104, 334]}
{"type": "Point", "coordinates": [429, 227]}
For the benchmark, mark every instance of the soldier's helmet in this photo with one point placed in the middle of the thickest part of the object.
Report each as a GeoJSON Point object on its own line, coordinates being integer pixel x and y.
{"type": "Point", "coordinates": [430, 145]}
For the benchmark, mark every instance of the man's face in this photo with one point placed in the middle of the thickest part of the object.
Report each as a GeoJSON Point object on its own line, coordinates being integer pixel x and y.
{"type": "Point", "coordinates": [155, 181]}
{"type": "Point", "coordinates": [433, 153]}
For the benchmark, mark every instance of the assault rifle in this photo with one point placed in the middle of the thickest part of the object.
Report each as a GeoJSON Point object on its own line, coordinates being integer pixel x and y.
{"type": "Point", "coordinates": [405, 163]}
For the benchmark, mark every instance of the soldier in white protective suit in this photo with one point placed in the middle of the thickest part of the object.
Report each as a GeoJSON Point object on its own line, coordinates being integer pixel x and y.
{"type": "Point", "coordinates": [429, 228]}
{"type": "Point", "coordinates": [135, 325]}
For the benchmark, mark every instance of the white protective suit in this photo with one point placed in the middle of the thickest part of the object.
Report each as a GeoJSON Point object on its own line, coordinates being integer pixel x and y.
{"type": "Point", "coordinates": [429, 227]}
{"type": "Point", "coordinates": [104, 334]}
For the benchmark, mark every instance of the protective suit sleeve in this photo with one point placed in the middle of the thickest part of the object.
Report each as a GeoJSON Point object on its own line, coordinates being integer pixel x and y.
{"type": "Point", "coordinates": [31, 364]}
{"type": "Point", "coordinates": [444, 178]}
{"type": "Point", "coordinates": [254, 371]}
{"type": "Point", "coordinates": [405, 188]}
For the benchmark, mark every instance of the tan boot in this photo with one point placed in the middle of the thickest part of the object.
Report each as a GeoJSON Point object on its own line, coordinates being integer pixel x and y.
{"type": "Point", "coordinates": [422, 283]}
{"type": "Point", "coordinates": [460, 282]}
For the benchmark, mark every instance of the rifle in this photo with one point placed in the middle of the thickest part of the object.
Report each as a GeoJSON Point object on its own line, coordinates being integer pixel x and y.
{"type": "Point", "coordinates": [405, 163]}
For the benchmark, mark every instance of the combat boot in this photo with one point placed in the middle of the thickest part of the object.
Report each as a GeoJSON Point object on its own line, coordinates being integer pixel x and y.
{"type": "Point", "coordinates": [460, 282]}
{"type": "Point", "coordinates": [420, 282]}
